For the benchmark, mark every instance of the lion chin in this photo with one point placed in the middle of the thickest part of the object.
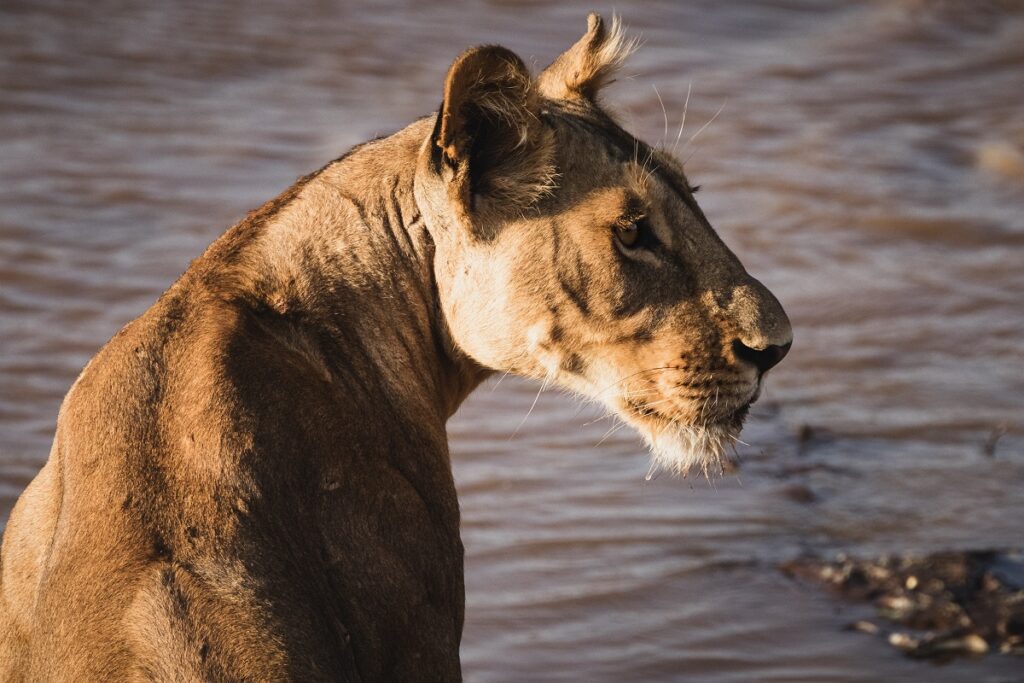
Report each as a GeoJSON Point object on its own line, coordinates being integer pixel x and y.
{"type": "Point", "coordinates": [680, 448]}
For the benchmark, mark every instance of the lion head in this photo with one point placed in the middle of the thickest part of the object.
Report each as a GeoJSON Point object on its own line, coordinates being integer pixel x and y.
{"type": "Point", "coordinates": [569, 251]}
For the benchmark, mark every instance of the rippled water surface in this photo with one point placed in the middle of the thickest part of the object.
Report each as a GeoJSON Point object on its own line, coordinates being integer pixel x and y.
{"type": "Point", "coordinates": [867, 164]}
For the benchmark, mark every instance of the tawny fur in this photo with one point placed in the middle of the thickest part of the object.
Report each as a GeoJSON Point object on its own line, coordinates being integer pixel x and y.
{"type": "Point", "coordinates": [251, 481]}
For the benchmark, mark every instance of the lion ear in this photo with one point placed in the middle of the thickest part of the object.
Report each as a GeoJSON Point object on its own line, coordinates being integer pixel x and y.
{"type": "Point", "coordinates": [489, 130]}
{"type": "Point", "coordinates": [581, 71]}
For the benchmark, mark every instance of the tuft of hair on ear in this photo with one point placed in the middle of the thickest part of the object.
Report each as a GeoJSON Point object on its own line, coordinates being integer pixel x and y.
{"type": "Point", "coordinates": [581, 71]}
{"type": "Point", "coordinates": [489, 131]}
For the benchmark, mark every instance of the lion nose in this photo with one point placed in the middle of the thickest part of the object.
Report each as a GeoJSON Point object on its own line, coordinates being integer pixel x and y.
{"type": "Point", "coordinates": [763, 359]}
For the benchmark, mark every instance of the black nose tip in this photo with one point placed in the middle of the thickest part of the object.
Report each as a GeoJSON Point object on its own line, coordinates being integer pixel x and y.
{"type": "Point", "coordinates": [763, 359]}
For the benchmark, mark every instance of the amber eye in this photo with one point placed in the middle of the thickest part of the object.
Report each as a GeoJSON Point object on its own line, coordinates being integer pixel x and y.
{"type": "Point", "coordinates": [628, 234]}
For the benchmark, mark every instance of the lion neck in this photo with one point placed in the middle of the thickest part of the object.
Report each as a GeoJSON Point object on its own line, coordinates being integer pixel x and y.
{"type": "Point", "coordinates": [352, 256]}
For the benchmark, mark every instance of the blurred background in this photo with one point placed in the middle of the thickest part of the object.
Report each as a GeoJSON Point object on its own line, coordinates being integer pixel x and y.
{"type": "Point", "coordinates": [866, 163]}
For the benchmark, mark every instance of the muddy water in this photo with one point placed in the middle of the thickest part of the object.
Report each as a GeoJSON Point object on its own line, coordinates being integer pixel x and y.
{"type": "Point", "coordinates": [867, 165]}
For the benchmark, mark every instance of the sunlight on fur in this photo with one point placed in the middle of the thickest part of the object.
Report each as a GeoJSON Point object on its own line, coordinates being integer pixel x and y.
{"type": "Point", "coordinates": [679, 449]}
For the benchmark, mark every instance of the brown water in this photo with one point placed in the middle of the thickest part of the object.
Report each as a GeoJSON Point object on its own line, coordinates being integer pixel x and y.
{"type": "Point", "coordinates": [867, 166]}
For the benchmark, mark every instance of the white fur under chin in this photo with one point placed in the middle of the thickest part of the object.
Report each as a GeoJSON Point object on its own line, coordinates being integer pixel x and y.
{"type": "Point", "coordinates": [679, 449]}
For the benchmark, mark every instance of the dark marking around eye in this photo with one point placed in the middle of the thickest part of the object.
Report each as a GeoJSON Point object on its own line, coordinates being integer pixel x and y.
{"type": "Point", "coordinates": [695, 189]}
{"type": "Point", "coordinates": [570, 271]}
{"type": "Point", "coordinates": [574, 291]}
{"type": "Point", "coordinates": [642, 236]}
{"type": "Point", "coordinates": [647, 237]}
{"type": "Point", "coordinates": [628, 234]}
{"type": "Point", "coordinates": [634, 209]}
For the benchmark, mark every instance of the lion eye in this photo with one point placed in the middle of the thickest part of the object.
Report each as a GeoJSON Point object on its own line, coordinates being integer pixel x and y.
{"type": "Point", "coordinates": [628, 234]}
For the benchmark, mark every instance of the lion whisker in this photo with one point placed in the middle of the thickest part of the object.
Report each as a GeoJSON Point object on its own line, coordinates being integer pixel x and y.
{"type": "Point", "coordinates": [511, 367]}
{"type": "Point", "coordinates": [709, 122]}
{"type": "Point", "coordinates": [701, 130]}
{"type": "Point", "coordinates": [638, 392]}
{"type": "Point", "coordinates": [639, 372]}
{"type": "Point", "coordinates": [606, 416]}
{"type": "Point", "coordinates": [686, 105]}
{"type": "Point", "coordinates": [610, 432]}
{"type": "Point", "coordinates": [651, 404]}
{"type": "Point", "coordinates": [543, 386]}
{"type": "Point", "coordinates": [664, 114]}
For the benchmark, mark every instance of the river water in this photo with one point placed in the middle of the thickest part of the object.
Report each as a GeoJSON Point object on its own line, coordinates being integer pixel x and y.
{"type": "Point", "coordinates": [867, 164]}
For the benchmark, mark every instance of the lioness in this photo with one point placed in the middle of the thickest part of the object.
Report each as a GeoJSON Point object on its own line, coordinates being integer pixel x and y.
{"type": "Point", "coordinates": [251, 481]}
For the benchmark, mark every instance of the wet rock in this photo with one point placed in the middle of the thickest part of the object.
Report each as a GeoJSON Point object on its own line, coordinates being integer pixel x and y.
{"type": "Point", "coordinates": [952, 644]}
{"type": "Point", "coordinates": [864, 626]}
{"type": "Point", "coordinates": [903, 641]}
{"type": "Point", "coordinates": [946, 605]}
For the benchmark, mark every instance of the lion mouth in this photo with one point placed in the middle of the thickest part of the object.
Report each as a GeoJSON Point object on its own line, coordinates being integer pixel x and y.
{"type": "Point", "coordinates": [702, 440]}
{"type": "Point", "coordinates": [711, 413]}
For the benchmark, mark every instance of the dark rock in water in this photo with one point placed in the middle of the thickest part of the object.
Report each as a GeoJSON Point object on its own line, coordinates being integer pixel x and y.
{"type": "Point", "coordinates": [948, 604]}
